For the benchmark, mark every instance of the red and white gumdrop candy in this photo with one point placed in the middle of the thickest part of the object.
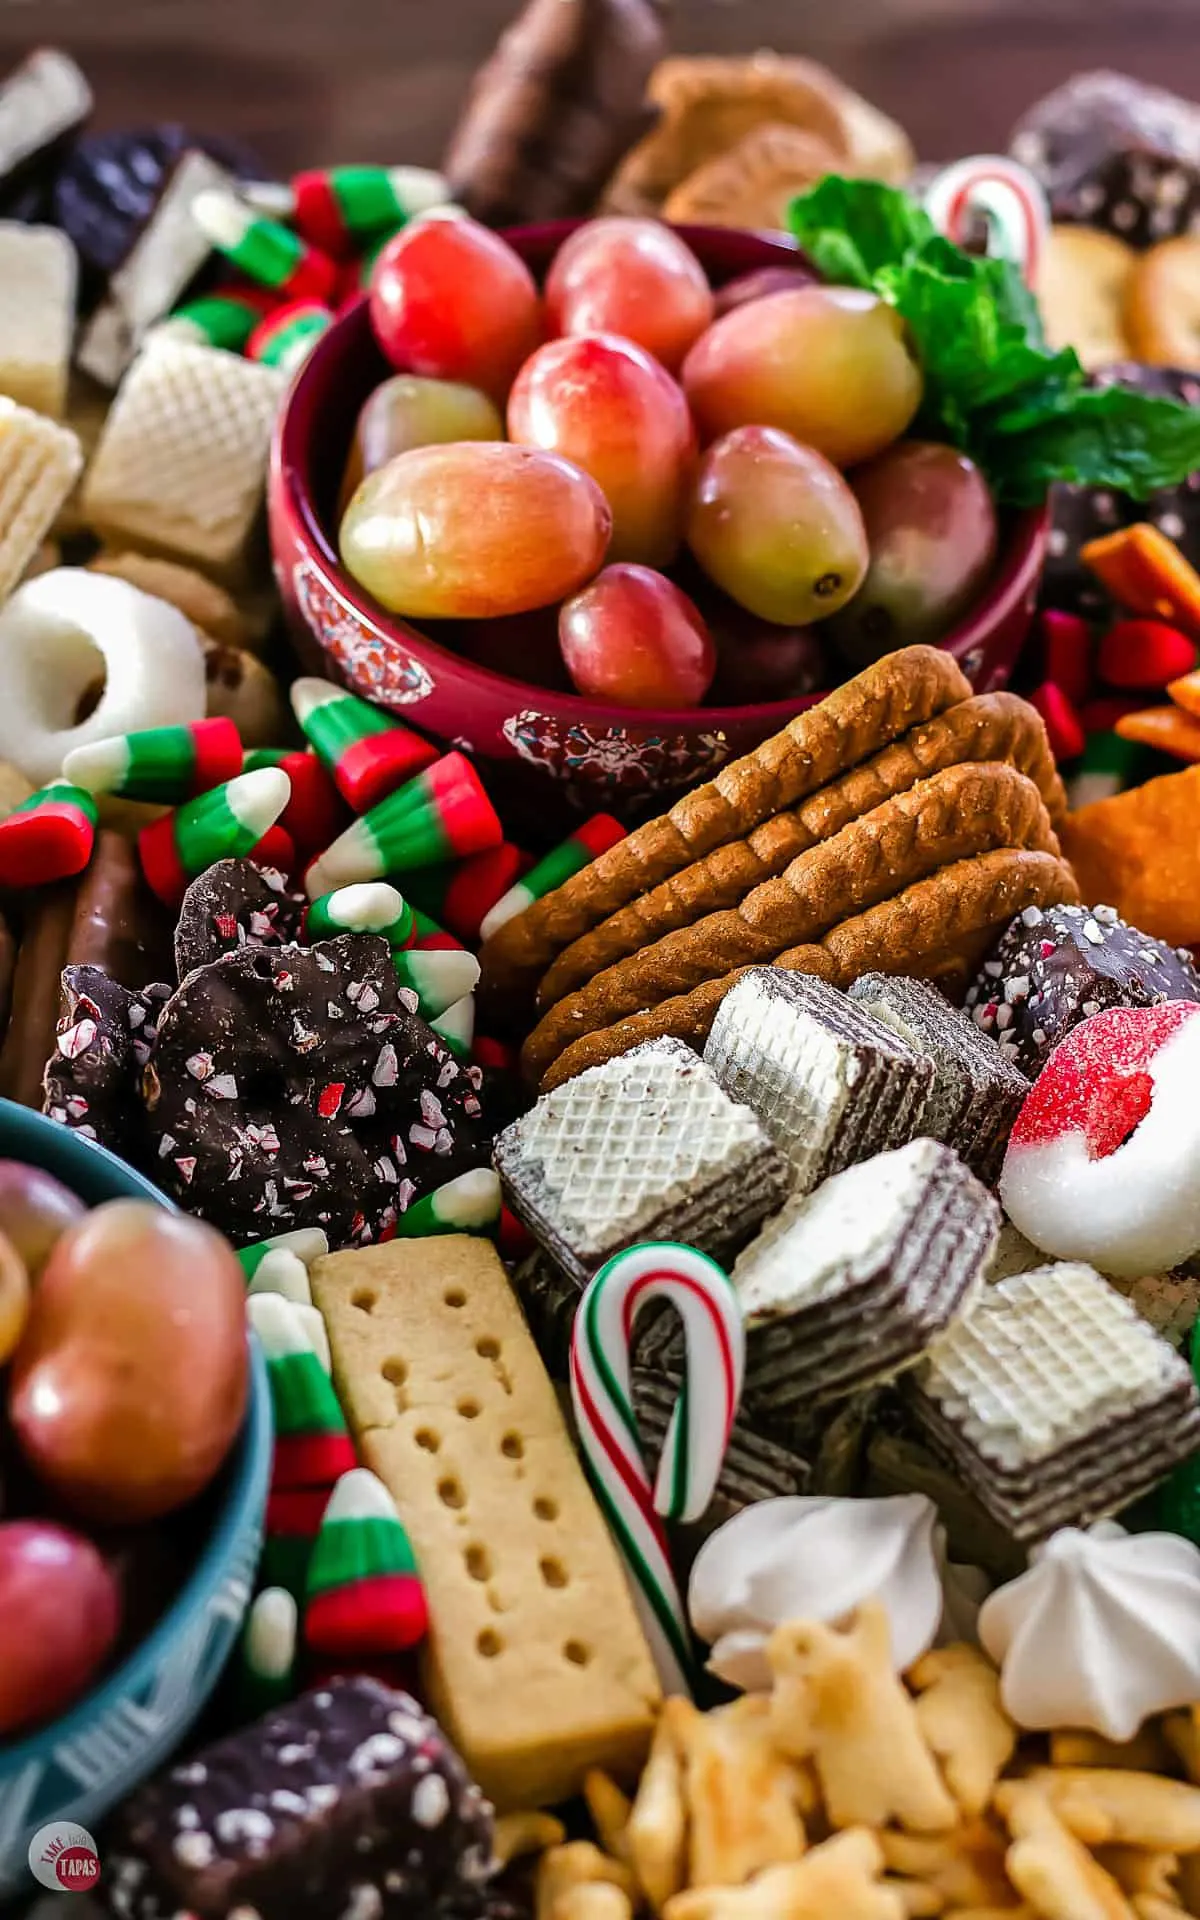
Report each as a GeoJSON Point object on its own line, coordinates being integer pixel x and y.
{"type": "Point", "coordinates": [1103, 1164]}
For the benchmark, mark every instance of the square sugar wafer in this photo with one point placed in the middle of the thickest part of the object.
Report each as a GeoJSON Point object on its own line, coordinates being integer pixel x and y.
{"type": "Point", "coordinates": [976, 1093]}
{"type": "Point", "coordinates": [38, 272]}
{"type": "Point", "coordinates": [1055, 1400]}
{"type": "Point", "coordinates": [851, 1283]}
{"type": "Point", "coordinates": [644, 1147]}
{"type": "Point", "coordinates": [182, 462]}
{"type": "Point", "coordinates": [39, 464]}
{"type": "Point", "coordinates": [831, 1084]}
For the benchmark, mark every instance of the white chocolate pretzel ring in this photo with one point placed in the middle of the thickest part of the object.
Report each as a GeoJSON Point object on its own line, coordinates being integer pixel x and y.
{"type": "Point", "coordinates": [63, 632]}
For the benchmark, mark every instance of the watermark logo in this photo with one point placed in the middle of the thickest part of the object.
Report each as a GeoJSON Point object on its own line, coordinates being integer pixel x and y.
{"type": "Point", "coordinates": [63, 1857]}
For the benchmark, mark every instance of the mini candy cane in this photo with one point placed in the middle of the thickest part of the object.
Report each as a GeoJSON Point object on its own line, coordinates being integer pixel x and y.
{"type": "Point", "coordinates": [1007, 194]}
{"type": "Point", "coordinates": [697, 1437]}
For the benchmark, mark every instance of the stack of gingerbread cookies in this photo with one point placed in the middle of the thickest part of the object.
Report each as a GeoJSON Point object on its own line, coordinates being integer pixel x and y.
{"type": "Point", "coordinates": [895, 827]}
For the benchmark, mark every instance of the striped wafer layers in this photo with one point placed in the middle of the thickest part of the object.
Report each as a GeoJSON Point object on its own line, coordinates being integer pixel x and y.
{"type": "Point", "coordinates": [895, 827]}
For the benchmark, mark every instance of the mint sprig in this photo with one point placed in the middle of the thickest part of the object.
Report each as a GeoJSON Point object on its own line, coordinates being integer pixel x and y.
{"type": "Point", "coordinates": [993, 387]}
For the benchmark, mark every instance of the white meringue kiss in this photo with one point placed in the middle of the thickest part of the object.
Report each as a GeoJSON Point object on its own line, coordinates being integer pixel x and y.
{"type": "Point", "coordinates": [797, 1558]}
{"type": "Point", "coordinates": [1101, 1632]}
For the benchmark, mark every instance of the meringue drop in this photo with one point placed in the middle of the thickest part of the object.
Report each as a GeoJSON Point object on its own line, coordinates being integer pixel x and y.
{"type": "Point", "coordinates": [1101, 1632]}
{"type": "Point", "coordinates": [801, 1558]}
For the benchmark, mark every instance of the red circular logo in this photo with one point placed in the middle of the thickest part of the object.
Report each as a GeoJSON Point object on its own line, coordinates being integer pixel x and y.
{"type": "Point", "coordinates": [63, 1857]}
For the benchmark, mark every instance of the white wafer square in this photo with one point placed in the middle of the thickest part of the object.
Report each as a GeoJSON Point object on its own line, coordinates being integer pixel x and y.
{"type": "Point", "coordinates": [39, 464]}
{"type": "Point", "coordinates": [182, 462]}
{"type": "Point", "coordinates": [1042, 1360]}
{"type": "Point", "coordinates": [1169, 1301]}
{"type": "Point", "coordinates": [38, 271]}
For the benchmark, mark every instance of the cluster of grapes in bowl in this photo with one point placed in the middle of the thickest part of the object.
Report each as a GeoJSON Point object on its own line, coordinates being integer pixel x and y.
{"type": "Point", "coordinates": [625, 483]}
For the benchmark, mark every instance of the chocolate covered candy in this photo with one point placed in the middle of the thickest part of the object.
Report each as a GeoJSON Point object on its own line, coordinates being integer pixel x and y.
{"type": "Point", "coordinates": [1055, 966]}
{"type": "Point", "coordinates": [349, 1801]}
{"type": "Point", "coordinates": [554, 109]}
{"type": "Point", "coordinates": [1114, 152]}
{"type": "Point", "coordinates": [104, 1039]}
{"type": "Point", "coordinates": [296, 1088]}
{"type": "Point", "coordinates": [235, 904]}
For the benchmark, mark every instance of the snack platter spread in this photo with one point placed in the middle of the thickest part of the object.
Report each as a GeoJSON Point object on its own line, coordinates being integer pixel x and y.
{"type": "Point", "coordinates": [572, 1361]}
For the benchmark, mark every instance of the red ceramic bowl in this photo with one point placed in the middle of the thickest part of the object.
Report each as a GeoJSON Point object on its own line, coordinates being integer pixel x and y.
{"type": "Point", "coordinates": [597, 754]}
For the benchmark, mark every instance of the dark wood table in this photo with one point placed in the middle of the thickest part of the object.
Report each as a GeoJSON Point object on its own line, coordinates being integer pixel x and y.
{"type": "Point", "coordinates": [313, 81]}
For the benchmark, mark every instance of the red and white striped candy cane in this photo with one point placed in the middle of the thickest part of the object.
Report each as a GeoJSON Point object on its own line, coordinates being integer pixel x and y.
{"type": "Point", "coordinates": [1007, 194]}
{"type": "Point", "coordinates": [601, 1342]}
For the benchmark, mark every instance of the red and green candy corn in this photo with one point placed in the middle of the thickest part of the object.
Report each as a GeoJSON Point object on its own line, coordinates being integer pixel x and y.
{"type": "Point", "coordinates": [456, 1026]}
{"type": "Point", "coordinates": [164, 764]}
{"type": "Point", "coordinates": [470, 1204]}
{"type": "Point", "coordinates": [263, 249]}
{"type": "Point", "coordinates": [334, 208]}
{"type": "Point", "coordinates": [312, 1444]}
{"type": "Point", "coordinates": [307, 1243]}
{"type": "Point", "coordinates": [429, 937]}
{"type": "Point", "coordinates": [458, 896]}
{"type": "Point", "coordinates": [1064, 728]}
{"type": "Point", "coordinates": [438, 979]}
{"type": "Point", "coordinates": [1144, 653]}
{"type": "Point", "coordinates": [270, 1638]}
{"type": "Point", "coordinates": [225, 824]}
{"type": "Point", "coordinates": [363, 1594]}
{"type": "Point", "coordinates": [316, 812]}
{"type": "Point", "coordinates": [224, 319]}
{"type": "Point", "coordinates": [48, 837]}
{"type": "Point", "coordinates": [578, 850]}
{"type": "Point", "coordinates": [293, 1521]}
{"type": "Point", "coordinates": [372, 906]}
{"type": "Point", "coordinates": [367, 754]}
{"type": "Point", "coordinates": [443, 814]}
{"type": "Point", "coordinates": [283, 1273]}
{"type": "Point", "coordinates": [286, 337]}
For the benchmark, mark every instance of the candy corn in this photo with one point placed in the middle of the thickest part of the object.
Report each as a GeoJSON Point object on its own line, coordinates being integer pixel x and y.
{"type": "Point", "coordinates": [283, 1272]}
{"type": "Point", "coordinates": [165, 764]}
{"type": "Point", "coordinates": [223, 319]}
{"type": "Point", "coordinates": [428, 937]}
{"type": "Point", "coordinates": [286, 337]}
{"type": "Point", "coordinates": [578, 850]}
{"type": "Point", "coordinates": [456, 1027]}
{"type": "Point", "coordinates": [312, 1445]}
{"type": "Point", "coordinates": [293, 1520]}
{"type": "Point", "coordinates": [1144, 653]}
{"type": "Point", "coordinates": [437, 979]}
{"type": "Point", "coordinates": [227, 823]}
{"type": "Point", "coordinates": [470, 1204]}
{"type": "Point", "coordinates": [1063, 725]}
{"type": "Point", "coordinates": [460, 895]}
{"type": "Point", "coordinates": [268, 1652]}
{"type": "Point", "coordinates": [367, 754]}
{"type": "Point", "coordinates": [263, 249]}
{"type": "Point", "coordinates": [50, 836]}
{"type": "Point", "coordinates": [370, 907]}
{"type": "Point", "coordinates": [442, 814]}
{"type": "Point", "coordinates": [315, 813]}
{"type": "Point", "coordinates": [307, 1243]}
{"type": "Point", "coordinates": [363, 1594]}
{"type": "Point", "coordinates": [334, 207]}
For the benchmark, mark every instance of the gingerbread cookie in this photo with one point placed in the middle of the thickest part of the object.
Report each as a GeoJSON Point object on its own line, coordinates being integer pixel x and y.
{"type": "Point", "coordinates": [943, 923]}
{"type": "Point", "coordinates": [234, 904]}
{"type": "Point", "coordinates": [961, 812]}
{"type": "Point", "coordinates": [853, 722]}
{"type": "Point", "coordinates": [295, 1088]}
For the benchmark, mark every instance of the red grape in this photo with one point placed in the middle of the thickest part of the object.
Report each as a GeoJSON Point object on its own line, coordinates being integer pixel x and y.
{"type": "Point", "coordinates": [452, 301]}
{"type": "Point", "coordinates": [633, 638]}
{"type": "Point", "coordinates": [59, 1607]}
{"type": "Point", "coordinates": [758, 283]}
{"type": "Point", "coordinates": [632, 277]}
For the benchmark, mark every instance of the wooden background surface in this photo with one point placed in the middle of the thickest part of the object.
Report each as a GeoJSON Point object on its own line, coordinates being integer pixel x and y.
{"type": "Point", "coordinates": [313, 81]}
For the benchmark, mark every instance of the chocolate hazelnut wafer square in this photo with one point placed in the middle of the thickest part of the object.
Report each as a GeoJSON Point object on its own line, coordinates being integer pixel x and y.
{"type": "Point", "coordinates": [976, 1092]}
{"type": "Point", "coordinates": [851, 1283]}
{"type": "Point", "coordinates": [1056, 1401]}
{"type": "Point", "coordinates": [830, 1083]}
{"type": "Point", "coordinates": [644, 1147]}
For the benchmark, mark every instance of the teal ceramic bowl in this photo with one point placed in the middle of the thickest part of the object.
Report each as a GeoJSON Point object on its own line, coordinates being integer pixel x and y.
{"type": "Point", "coordinates": [82, 1764]}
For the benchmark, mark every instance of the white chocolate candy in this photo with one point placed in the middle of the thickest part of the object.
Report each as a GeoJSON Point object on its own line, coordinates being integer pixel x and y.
{"type": "Point", "coordinates": [70, 630]}
{"type": "Point", "coordinates": [815, 1559]}
{"type": "Point", "coordinates": [1100, 1633]}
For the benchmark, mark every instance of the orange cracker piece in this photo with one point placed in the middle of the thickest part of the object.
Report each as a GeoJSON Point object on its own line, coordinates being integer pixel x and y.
{"type": "Point", "coordinates": [1139, 852]}
{"type": "Point", "coordinates": [1166, 728]}
{"type": "Point", "coordinates": [1145, 572]}
{"type": "Point", "coordinates": [1185, 692]}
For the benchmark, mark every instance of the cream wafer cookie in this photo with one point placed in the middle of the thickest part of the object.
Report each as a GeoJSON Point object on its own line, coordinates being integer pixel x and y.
{"type": "Point", "coordinates": [830, 1083]}
{"type": "Point", "coordinates": [38, 271]}
{"type": "Point", "coordinates": [535, 1663]}
{"type": "Point", "coordinates": [647, 1147]}
{"type": "Point", "coordinates": [42, 100]}
{"type": "Point", "coordinates": [182, 462]}
{"type": "Point", "coordinates": [39, 464]}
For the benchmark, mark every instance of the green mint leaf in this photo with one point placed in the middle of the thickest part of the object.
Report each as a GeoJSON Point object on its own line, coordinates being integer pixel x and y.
{"type": "Point", "coordinates": [1113, 437]}
{"type": "Point", "coordinates": [861, 222]}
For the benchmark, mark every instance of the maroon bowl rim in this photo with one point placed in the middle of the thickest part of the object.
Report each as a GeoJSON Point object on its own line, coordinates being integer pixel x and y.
{"type": "Point", "coordinates": [1018, 566]}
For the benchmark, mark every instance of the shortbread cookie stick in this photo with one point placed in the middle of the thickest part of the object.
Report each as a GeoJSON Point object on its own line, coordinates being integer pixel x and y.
{"type": "Point", "coordinates": [853, 722]}
{"type": "Point", "coordinates": [961, 812]}
{"type": "Point", "coordinates": [989, 726]}
{"type": "Point", "coordinates": [944, 917]}
{"type": "Point", "coordinates": [535, 1663]}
